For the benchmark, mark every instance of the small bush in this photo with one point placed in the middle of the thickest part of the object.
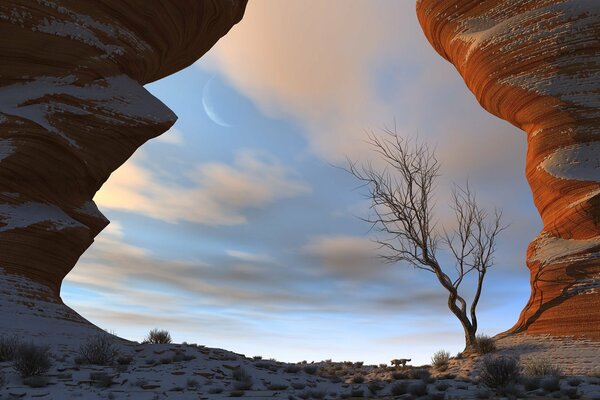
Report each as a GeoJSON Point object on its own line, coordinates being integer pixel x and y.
{"type": "Point", "coordinates": [442, 386]}
{"type": "Point", "coordinates": [498, 372]}
{"type": "Point", "coordinates": [192, 383]}
{"type": "Point", "coordinates": [36, 381]}
{"type": "Point", "coordinates": [311, 369]}
{"type": "Point", "coordinates": [354, 393]}
{"type": "Point", "coordinates": [375, 387]}
{"type": "Point", "coordinates": [540, 367]}
{"type": "Point", "coordinates": [277, 387]}
{"type": "Point", "coordinates": [440, 359]}
{"type": "Point", "coordinates": [157, 336]}
{"type": "Point", "coordinates": [417, 389]}
{"type": "Point", "coordinates": [124, 360]}
{"type": "Point", "coordinates": [8, 347]}
{"type": "Point", "coordinates": [575, 382]}
{"type": "Point", "coordinates": [358, 379]}
{"type": "Point", "coordinates": [292, 369]}
{"type": "Point", "coordinates": [420, 373]}
{"type": "Point", "coordinates": [485, 344]}
{"type": "Point", "coordinates": [31, 360]}
{"type": "Point", "coordinates": [571, 393]}
{"type": "Point", "coordinates": [215, 390]}
{"type": "Point", "coordinates": [298, 385]}
{"type": "Point", "coordinates": [242, 378]}
{"type": "Point", "coordinates": [98, 350]}
{"type": "Point", "coordinates": [101, 379]}
{"type": "Point", "coordinates": [236, 393]}
{"type": "Point", "coordinates": [531, 383]}
{"type": "Point", "coordinates": [399, 375]}
{"type": "Point", "coordinates": [550, 384]}
{"type": "Point", "coordinates": [399, 389]}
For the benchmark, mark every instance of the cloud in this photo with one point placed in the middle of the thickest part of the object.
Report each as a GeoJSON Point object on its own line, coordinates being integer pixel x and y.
{"type": "Point", "coordinates": [351, 257]}
{"type": "Point", "coordinates": [251, 257]}
{"type": "Point", "coordinates": [218, 194]}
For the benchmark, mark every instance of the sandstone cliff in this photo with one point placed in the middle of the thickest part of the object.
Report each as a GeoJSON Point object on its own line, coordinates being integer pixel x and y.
{"type": "Point", "coordinates": [535, 63]}
{"type": "Point", "coordinates": [72, 109]}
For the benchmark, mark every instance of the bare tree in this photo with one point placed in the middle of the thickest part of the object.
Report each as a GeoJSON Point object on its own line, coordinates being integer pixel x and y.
{"type": "Point", "coordinates": [402, 202]}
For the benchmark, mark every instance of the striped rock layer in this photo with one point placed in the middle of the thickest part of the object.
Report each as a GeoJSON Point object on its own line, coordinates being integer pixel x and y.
{"type": "Point", "coordinates": [73, 108]}
{"type": "Point", "coordinates": [536, 64]}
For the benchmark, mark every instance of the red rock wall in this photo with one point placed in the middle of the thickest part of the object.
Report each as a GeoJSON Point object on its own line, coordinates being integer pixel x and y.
{"type": "Point", "coordinates": [536, 64]}
{"type": "Point", "coordinates": [73, 108]}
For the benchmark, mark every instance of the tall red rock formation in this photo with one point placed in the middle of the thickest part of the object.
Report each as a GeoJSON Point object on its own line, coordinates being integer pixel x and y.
{"type": "Point", "coordinates": [72, 109]}
{"type": "Point", "coordinates": [536, 64]}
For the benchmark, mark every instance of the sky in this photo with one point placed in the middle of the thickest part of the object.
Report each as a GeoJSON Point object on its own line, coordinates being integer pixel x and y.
{"type": "Point", "coordinates": [238, 229]}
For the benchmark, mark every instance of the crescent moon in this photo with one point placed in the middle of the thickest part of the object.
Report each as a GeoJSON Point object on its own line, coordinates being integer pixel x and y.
{"type": "Point", "coordinates": [209, 108]}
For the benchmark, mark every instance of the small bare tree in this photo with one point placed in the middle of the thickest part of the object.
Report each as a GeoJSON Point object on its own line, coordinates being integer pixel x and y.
{"type": "Point", "coordinates": [402, 204]}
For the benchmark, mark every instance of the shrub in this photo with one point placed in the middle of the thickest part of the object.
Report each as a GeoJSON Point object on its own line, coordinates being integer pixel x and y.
{"type": "Point", "coordinates": [575, 382]}
{"type": "Point", "coordinates": [440, 359]}
{"type": "Point", "coordinates": [157, 336]}
{"type": "Point", "coordinates": [192, 383]}
{"type": "Point", "coordinates": [215, 390]}
{"type": "Point", "coordinates": [124, 360]}
{"type": "Point", "coordinates": [399, 389]}
{"type": "Point", "coordinates": [442, 386]}
{"type": "Point", "coordinates": [98, 350]}
{"type": "Point", "coordinates": [242, 378]}
{"type": "Point", "coordinates": [353, 393]}
{"type": "Point", "coordinates": [358, 379]}
{"type": "Point", "coordinates": [540, 367]}
{"type": "Point", "coordinates": [277, 387]}
{"type": "Point", "coordinates": [36, 381]}
{"type": "Point", "coordinates": [417, 389]}
{"type": "Point", "coordinates": [550, 384]}
{"type": "Point", "coordinates": [236, 393]}
{"type": "Point", "coordinates": [311, 369]}
{"type": "Point", "coordinates": [8, 347]}
{"type": "Point", "coordinates": [298, 385]}
{"type": "Point", "coordinates": [399, 375]}
{"type": "Point", "coordinates": [101, 379]}
{"type": "Point", "coordinates": [375, 387]}
{"type": "Point", "coordinates": [531, 383]}
{"type": "Point", "coordinates": [571, 393]}
{"type": "Point", "coordinates": [292, 369]}
{"type": "Point", "coordinates": [30, 360]}
{"type": "Point", "coordinates": [420, 373]}
{"type": "Point", "coordinates": [485, 344]}
{"type": "Point", "coordinates": [498, 372]}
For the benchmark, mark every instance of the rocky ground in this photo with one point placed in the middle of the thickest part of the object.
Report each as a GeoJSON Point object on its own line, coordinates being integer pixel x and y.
{"type": "Point", "coordinates": [184, 371]}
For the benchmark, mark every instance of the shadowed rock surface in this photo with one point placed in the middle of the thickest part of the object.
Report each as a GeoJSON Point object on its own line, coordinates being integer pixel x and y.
{"type": "Point", "coordinates": [536, 64]}
{"type": "Point", "coordinates": [72, 110]}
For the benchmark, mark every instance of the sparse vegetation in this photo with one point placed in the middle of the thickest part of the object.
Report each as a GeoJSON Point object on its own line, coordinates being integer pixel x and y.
{"type": "Point", "coordinates": [292, 369]}
{"type": "Point", "coordinates": [236, 393]}
{"type": "Point", "coordinates": [540, 367]}
{"type": "Point", "coordinates": [31, 360]}
{"type": "Point", "coordinates": [158, 336]}
{"type": "Point", "coordinates": [277, 387]}
{"type": "Point", "coordinates": [499, 372]}
{"type": "Point", "coordinates": [358, 379]}
{"type": "Point", "coordinates": [98, 350]}
{"type": "Point", "coordinates": [550, 384]}
{"type": "Point", "coordinates": [8, 347]}
{"type": "Point", "coordinates": [192, 383]}
{"type": "Point", "coordinates": [311, 369]}
{"type": "Point", "coordinates": [243, 381]}
{"type": "Point", "coordinates": [101, 379]}
{"type": "Point", "coordinates": [440, 359]}
{"type": "Point", "coordinates": [485, 344]}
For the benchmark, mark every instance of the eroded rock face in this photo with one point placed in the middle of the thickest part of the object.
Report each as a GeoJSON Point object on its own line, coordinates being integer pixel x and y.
{"type": "Point", "coordinates": [536, 64]}
{"type": "Point", "coordinates": [73, 108]}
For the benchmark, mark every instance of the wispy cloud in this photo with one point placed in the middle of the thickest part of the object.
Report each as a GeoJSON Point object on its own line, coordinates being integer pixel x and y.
{"type": "Point", "coordinates": [217, 193]}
